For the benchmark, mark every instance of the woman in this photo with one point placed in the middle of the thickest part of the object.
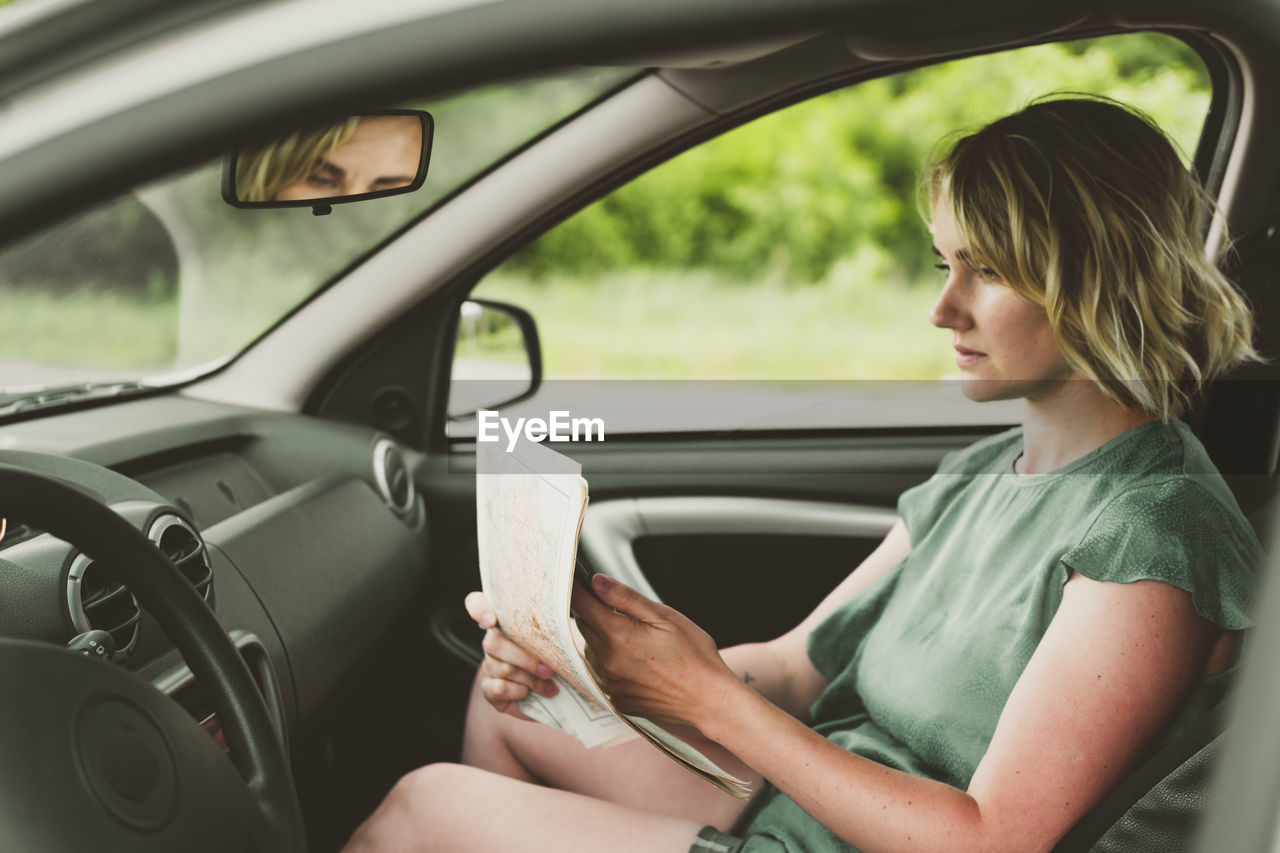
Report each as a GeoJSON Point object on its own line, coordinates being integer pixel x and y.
{"type": "Point", "coordinates": [361, 154]}
{"type": "Point", "coordinates": [287, 162]}
{"type": "Point", "coordinates": [1017, 642]}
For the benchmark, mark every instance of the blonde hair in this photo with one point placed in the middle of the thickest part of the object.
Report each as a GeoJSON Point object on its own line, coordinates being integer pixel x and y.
{"type": "Point", "coordinates": [262, 173]}
{"type": "Point", "coordinates": [1083, 206]}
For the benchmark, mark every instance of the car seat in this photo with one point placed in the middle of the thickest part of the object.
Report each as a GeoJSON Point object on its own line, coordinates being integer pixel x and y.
{"type": "Point", "coordinates": [1160, 804]}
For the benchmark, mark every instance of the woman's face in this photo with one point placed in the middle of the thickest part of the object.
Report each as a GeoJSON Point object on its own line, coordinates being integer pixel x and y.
{"type": "Point", "coordinates": [1004, 345]}
{"type": "Point", "coordinates": [382, 154]}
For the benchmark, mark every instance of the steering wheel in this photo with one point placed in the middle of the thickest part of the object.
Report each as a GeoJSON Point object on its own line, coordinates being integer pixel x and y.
{"type": "Point", "coordinates": [96, 758]}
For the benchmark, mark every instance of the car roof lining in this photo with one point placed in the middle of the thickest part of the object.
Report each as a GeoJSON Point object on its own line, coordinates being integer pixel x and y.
{"type": "Point", "coordinates": [48, 39]}
{"type": "Point", "coordinates": [76, 140]}
{"type": "Point", "coordinates": [360, 62]}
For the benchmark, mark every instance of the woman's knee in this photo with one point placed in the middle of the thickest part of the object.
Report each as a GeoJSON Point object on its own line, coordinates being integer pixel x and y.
{"type": "Point", "coordinates": [421, 791]}
{"type": "Point", "coordinates": [416, 809]}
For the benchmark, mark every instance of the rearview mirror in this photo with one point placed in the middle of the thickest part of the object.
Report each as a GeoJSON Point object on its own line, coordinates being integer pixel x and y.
{"type": "Point", "coordinates": [376, 154]}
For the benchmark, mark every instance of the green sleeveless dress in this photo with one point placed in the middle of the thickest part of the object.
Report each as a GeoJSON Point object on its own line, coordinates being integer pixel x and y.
{"type": "Point", "coordinates": [922, 662]}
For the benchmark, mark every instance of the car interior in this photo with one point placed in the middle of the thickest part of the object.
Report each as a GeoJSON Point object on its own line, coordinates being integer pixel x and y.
{"type": "Point", "coordinates": [310, 474]}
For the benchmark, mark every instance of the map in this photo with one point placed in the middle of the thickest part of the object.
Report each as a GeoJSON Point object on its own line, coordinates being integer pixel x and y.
{"type": "Point", "coordinates": [529, 508]}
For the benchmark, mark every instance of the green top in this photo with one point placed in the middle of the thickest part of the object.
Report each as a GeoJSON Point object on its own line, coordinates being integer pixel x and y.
{"type": "Point", "coordinates": [922, 662]}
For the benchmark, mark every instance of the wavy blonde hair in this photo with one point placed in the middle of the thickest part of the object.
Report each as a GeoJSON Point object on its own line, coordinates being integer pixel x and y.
{"type": "Point", "coordinates": [262, 173]}
{"type": "Point", "coordinates": [1082, 205]}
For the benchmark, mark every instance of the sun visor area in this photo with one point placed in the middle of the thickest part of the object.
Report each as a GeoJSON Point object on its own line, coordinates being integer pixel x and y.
{"type": "Point", "coordinates": [715, 55]}
{"type": "Point", "coordinates": [876, 33]}
{"type": "Point", "coordinates": [950, 27]}
{"type": "Point", "coordinates": [726, 89]}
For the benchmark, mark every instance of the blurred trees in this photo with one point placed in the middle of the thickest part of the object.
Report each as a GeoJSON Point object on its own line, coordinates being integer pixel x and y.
{"type": "Point", "coordinates": [87, 249]}
{"type": "Point", "coordinates": [793, 193]}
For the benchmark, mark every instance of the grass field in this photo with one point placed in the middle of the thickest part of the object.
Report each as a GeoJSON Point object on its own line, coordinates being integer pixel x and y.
{"type": "Point", "coordinates": [664, 325]}
{"type": "Point", "coordinates": [635, 325]}
{"type": "Point", "coordinates": [102, 329]}
{"type": "Point", "coordinates": [98, 329]}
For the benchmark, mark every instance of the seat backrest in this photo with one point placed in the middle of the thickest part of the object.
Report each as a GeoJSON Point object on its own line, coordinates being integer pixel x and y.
{"type": "Point", "coordinates": [1158, 806]}
{"type": "Point", "coordinates": [1165, 818]}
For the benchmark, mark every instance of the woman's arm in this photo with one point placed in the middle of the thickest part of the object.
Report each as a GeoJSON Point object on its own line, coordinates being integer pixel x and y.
{"type": "Point", "coordinates": [780, 670]}
{"type": "Point", "coordinates": [1113, 666]}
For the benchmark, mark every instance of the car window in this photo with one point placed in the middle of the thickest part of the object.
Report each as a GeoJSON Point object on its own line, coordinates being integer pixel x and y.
{"type": "Point", "coordinates": [780, 275]}
{"type": "Point", "coordinates": [170, 277]}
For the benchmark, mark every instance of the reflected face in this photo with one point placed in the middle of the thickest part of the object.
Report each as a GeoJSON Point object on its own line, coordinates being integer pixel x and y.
{"type": "Point", "coordinates": [382, 154]}
{"type": "Point", "coordinates": [1005, 347]}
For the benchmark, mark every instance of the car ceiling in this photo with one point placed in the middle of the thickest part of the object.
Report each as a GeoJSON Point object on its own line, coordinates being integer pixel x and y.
{"type": "Point", "coordinates": [63, 149]}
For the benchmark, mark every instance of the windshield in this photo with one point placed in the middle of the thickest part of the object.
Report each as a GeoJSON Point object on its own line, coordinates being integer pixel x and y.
{"type": "Point", "coordinates": [170, 280]}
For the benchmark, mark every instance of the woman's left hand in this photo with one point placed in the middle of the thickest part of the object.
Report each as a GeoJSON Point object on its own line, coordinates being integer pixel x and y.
{"type": "Point", "coordinates": [651, 659]}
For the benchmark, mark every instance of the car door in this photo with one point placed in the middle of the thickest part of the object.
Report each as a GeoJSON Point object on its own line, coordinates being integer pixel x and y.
{"type": "Point", "coordinates": [747, 322]}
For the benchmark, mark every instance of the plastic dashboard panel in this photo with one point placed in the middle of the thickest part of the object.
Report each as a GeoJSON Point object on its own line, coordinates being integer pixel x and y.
{"type": "Point", "coordinates": [329, 563]}
{"type": "Point", "coordinates": [307, 556]}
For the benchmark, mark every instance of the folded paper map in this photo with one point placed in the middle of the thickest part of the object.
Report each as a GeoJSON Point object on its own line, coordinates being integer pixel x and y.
{"type": "Point", "coordinates": [529, 507]}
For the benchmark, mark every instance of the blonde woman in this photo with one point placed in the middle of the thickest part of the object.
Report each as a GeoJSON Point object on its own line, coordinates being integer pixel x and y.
{"type": "Point", "coordinates": [289, 161]}
{"type": "Point", "coordinates": [1053, 603]}
{"type": "Point", "coordinates": [363, 154]}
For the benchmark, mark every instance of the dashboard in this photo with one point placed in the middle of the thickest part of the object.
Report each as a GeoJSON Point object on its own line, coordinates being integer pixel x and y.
{"type": "Point", "coordinates": [305, 536]}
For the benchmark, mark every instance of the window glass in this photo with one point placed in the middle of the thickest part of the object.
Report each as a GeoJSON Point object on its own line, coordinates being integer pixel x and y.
{"type": "Point", "coordinates": [170, 277]}
{"type": "Point", "coordinates": [790, 253]}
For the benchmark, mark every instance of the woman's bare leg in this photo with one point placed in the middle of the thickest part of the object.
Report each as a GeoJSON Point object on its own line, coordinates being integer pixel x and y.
{"type": "Point", "coordinates": [632, 774]}
{"type": "Point", "coordinates": [445, 808]}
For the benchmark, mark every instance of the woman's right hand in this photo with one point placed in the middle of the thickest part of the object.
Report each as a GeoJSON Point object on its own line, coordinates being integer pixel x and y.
{"type": "Point", "coordinates": [508, 672]}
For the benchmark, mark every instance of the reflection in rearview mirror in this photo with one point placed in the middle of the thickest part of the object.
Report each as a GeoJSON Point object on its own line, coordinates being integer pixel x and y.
{"type": "Point", "coordinates": [354, 158]}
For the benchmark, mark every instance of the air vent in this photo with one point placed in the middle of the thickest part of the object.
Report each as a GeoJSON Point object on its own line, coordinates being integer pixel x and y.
{"type": "Point", "coordinates": [98, 602]}
{"type": "Point", "coordinates": [178, 541]}
{"type": "Point", "coordinates": [390, 472]}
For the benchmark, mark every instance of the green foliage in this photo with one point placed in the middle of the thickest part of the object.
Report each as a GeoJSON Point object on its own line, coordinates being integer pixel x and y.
{"type": "Point", "coordinates": [101, 327]}
{"type": "Point", "coordinates": [785, 197]}
{"type": "Point", "coordinates": [652, 324]}
{"type": "Point", "coordinates": [88, 249]}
